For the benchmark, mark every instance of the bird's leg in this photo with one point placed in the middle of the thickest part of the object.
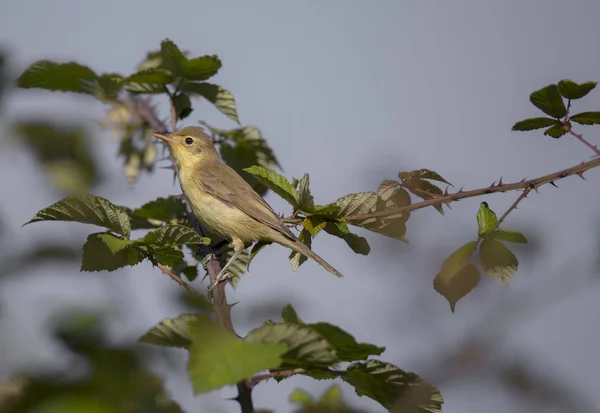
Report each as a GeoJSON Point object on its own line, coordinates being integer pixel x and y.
{"type": "Point", "coordinates": [238, 247]}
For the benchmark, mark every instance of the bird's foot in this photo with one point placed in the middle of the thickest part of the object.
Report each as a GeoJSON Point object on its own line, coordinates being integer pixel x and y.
{"type": "Point", "coordinates": [222, 276]}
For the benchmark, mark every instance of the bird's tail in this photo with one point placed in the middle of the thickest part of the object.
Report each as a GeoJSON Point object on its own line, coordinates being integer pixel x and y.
{"type": "Point", "coordinates": [304, 250]}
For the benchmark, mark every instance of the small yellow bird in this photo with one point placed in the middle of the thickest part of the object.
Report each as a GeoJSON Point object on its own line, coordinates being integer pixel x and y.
{"type": "Point", "coordinates": [224, 202]}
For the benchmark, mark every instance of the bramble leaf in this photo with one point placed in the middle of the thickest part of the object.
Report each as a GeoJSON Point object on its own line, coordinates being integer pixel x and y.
{"type": "Point", "coordinates": [534, 123]}
{"type": "Point", "coordinates": [276, 183]}
{"type": "Point", "coordinates": [572, 90]}
{"type": "Point", "coordinates": [497, 260]}
{"type": "Point", "coordinates": [215, 94]}
{"type": "Point", "coordinates": [549, 101]}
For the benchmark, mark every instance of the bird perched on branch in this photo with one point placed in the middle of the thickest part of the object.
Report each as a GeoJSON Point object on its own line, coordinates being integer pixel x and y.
{"type": "Point", "coordinates": [224, 202]}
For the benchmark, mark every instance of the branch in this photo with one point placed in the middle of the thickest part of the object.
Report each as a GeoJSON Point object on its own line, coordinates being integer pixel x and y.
{"type": "Point", "coordinates": [165, 270]}
{"type": "Point", "coordinates": [580, 138]}
{"type": "Point", "coordinates": [275, 374]}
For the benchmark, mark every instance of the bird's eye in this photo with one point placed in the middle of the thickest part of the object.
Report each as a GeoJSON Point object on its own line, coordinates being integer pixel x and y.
{"type": "Point", "coordinates": [189, 141]}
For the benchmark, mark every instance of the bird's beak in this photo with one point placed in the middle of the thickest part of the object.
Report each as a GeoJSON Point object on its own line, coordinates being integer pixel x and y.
{"type": "Point", "coordinates": [165, 138]}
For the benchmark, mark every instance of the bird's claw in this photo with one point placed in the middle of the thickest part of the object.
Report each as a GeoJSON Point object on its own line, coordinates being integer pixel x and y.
{"type": "Point", "coordinates": [220, 278]}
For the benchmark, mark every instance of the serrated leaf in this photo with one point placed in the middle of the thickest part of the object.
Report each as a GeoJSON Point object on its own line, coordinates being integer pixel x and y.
{"type": "Point", "coordinates": [346, 347]}
{"type": "Point", "coordinates": [276, 183]}
{"type": "Point", "coordinates": [314, 224]}
{"type": "Point", "coordinates": [572, 90]}
{"type": "Point", "coordinates": [201, 68]}
{"type": "Point", "coordinates": [97, 256]}
{"type": "Point", "coordinates": [64, 77]}
{"type": "Point", "coordinates": [305, 346]}
{"type": "Point", "coordinates": [486, 219]}
{"type": "Point", "coordinates": [183, 105]}
{"type": "Point", "coordinates": [549, 101]}
{"type": "Point", "coordinates": [555, 131]}
{"type": "Point", "coordinates": [172, 59]}
{"type": "Point", "coordinates": [87, 209]}
{"type": "Point", "coordinates": [297, 259]}
{"type": "Point", "coordinates": [247, 153]}
{"type": "Point", "coordinates": [114, 243]}
{"type": "Point", "coordinates": [289, 315]}
{"type": "Point", "coordinates": [215, 94]}
{"type": "Point", "coordinates": [174, 235]}
{"type": "Point", "coordinates": [586, 118]}
{"type": "Point", "coordinates": [534, 123]}
{"type": "Point", "coordinates": [162, 209]}
{"type": "Point", "coordinates": [306, 202]}
{"type": "Point", "coordinates": [109, 86]}
{"type": "Point", "coordinates": [457, 260]}
{"type": "Point", "coordinates": [357, 243]}
{"type": "Point", "coordinates": [218, 358]}
{"type": "Point", "coordinates": [330, 210]}
{"type": "Point", "coordinates": [148, 81]}
{"type": "Point", "coordinates": [395, 389]}
{"type": "Point", "coordinates": [172, 332]}
{"type": "Point", "coordinates": [458, 285]}
{"type": "Point", "coordinates": [497, 260]}
{"type": "Point", "coordinates": [169, 256]}
{"type": "Point", "coordinates": [509, 236]}
{"type": "Point", "coordinates": [393, 228]}
{"type": "Point", "coordinates": [356, 204]}
{"type": "Point", "coordinates": [422, 174]}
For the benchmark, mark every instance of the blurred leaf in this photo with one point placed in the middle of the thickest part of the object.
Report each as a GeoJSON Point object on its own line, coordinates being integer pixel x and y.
{"type": "Point", "coordinates": [357, 243]}
{"type": "Point", "coordinates": [497, 260]}
{"type": "Point", "coordinates": [149, 156]}
{"type": "Point", "coordinates": [457, 260]}
{"type": "Point", "coordinates": [422, 174]}
{"type": "Point", "coordinates": [396, 390]}
{"type": "Point", "coordinates": [109, 86]}
{"type": "Point", "coordinates": [289, 315]}
{"type": "Point", "coordinates": [238, 267]}
{"type": "Point", "coordinates": [195, 301]}
{"type": "Point", "coordinates": [572, 90]}
{"type": "Point", "coordinates": [162, 209]}
{"type": "Point", "coordinates": [297, 259]}
{"type": "Point", "coordinates": [510, 236]}
{"type": "Point", "coordinates": [190, 271]}
{"type": "Point", "coordinates": [305, 347]}
{"type": "Point", "coordinates": [183, 105]}
{"type": "Point", "coordinates": [148, 81]}
{"type": "Point", "coordinates": [215, 94]}
{"type": "Point", "coordinates": [549, 101]}
{"type": "Point", "coordinates": [172, 332]}
{"type": "Point", "coordinates": [172, 59]}
{"type": "Point", "coordinates": [486, 219]}
{"type": "Point", "coordinates": [346, 347]}
{"type": "Point", "coordinates": [424, 190]}
{"type": "Point", "coordinates": [174, 235]}
{"type": "Point", "coordinates": [65, 77]}
{"type": "Point", "coordinates": [534, 123]}
{"type": "Point", "coordinates": [586, 118]}
{"type": "Point", "coordinates": [276, 183]}
{"type": "Point", "coordinates": [97, 256]}
{"type": "Point", "coordinates": [201, 68]}
{"type": "Point", "coordinates": [218, 358]}
{"type": "Point", "coordinates": [393, 228]}
{"type": "Point", "coordinates": [555, 131]}
{"type": "Point", "coordinates": [63, 151]}
{"type": "Point", "coordinates": [314, 224]}
{"type": "Point", "coordinates": [330, 210]}
{"type": "Point", "coordinates": [87, 209]}
{"type": "Point", "coordinates": [330, 402]}
{"type": "Point", "coordinates": [306, 202]}
{"type": "Point", "coordinates": [456, 286]}
{"type": "Point", "coordinates": [168, 255]}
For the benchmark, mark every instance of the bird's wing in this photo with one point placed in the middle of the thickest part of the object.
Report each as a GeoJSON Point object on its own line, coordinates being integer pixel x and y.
{"type": "Point", "coordinates": [227, 185]}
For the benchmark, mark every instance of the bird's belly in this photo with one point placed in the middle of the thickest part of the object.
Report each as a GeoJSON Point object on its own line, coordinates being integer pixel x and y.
{"type": "Point", "coordinates": [226, 221]}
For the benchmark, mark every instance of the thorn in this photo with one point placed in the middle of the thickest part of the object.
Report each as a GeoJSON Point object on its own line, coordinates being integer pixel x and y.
{"type": "Point", "coordinates": [500, 183]}
{"type": "Point", "coordinates": [581, 176]}
{"type": "Point", "coordinates": [171, 167]}
{"type": "Point", "coordinates": [461, 189]}
{"type": "Point", "coordinates": [493, 184]}
{"type": "Point", "coordinates": [536, 190]}
{"type": "Point", "coordinates": [553, 184]}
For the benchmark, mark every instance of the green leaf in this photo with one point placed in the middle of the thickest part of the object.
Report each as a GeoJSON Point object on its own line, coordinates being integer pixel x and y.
{"type": "Point", "coordinates": [456, 261]}
{"type": "Point", "coordinates": [534, 123]}
{"type": "Point", "coordinates": [306, 202]}
{"type": "Point", "coordinates": [276, 183]}
{"type": "Point", "coordinates": [586, 118]}
{"type": "Point", "coordinates": [109, 86]}
{"type": "Point", "coordinates": [314, 224]}
{"type": "Point", "coordinates": [172, 332]}
{"type": "Point", "coordinates": [148, 81]}
{"type": "Point", "coordinates": [572, 90]}
{"type": "Point", "coordinates": [549, 101]}
{"type": "Point", "coordinates": [172, 59]}
{"type": "Point", "coordinates": [215, 94]}
{"type": "Point", "coordinates": [114, 243]}
{"type": "Point", "coordinates": [422, 174]}
{"type": "Point", "coordinates": [98, 256]}
{"type": "Point", "coordinates": [510, 236]}
{"type": "Point", "coordinates": [346, 347]}
{"type": "Point", "coordinates": [305, 346]}
{"type": "Point", "coordinates": [330, 210]}
{"type": "Point", "coordinates": [162, 209]}
{"type": "Point", "coordinates": [456, 286]}
{"type": "Point", "coordinates": [174, 235]}
{"type": "Point", "coordinates": [183, 105]}
{"type": "Point", "coordinates": [497, 260]}
{"type": "Point", "coordinates": [297, 259]}
{"type": "Point", "coordinates": [289, 315]}
{"type": "Point", "coordinates": [356, 204]}
{"type": "Point", "coordinates": [64, 77]}
{"type": "Point", "coordinates": [303, 398]}
{"type": "Point", "coordinates": [87, 209]}
{"type": "Point", "coordinates": [201, 68]}
{"type": "Point", "coordinates": [218, 358]}
{"type": "Point", "coordinates": [357, 243]}
{"type": "Point", "coordinates": [555, 131]}
{"type": "Point", "coordinates": [486, 219]}
{"type": "Point", "coordinates": [169, 256]}
{"type": "Point", "coordinates": [395, 389]}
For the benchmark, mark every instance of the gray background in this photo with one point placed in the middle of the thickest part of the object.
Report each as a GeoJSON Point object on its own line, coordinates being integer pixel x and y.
{"type": "Point", "coordinates": [350, 92]}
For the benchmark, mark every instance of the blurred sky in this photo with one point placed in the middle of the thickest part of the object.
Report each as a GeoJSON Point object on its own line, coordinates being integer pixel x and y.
{"type": "Point", "coordinates": [351, 92]}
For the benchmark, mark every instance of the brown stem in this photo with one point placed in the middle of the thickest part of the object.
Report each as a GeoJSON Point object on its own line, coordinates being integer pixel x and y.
{"type": "Point", "coordinates": [165, 270]}
{"type": "Point", "coordinates": [262, 377]}
{"type": "Point", "coordinates": [581, 139]}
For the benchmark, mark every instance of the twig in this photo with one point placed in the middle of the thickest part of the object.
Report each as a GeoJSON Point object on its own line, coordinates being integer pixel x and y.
{"type": "Point", "coordinates": [580, 138]}
{"type": "Point", "coordinates": [165, 270]}
{"type": "Point", "coordinates": [275, 374]}
{"type": "Point", "coordinates": [513, 206]}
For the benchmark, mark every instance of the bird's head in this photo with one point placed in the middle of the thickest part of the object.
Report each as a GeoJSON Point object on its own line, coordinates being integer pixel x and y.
{"type": "Point", "coordinates": [190, 145]}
